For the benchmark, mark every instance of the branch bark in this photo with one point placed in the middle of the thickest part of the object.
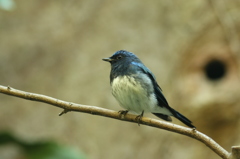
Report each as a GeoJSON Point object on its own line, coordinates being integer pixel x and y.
{"type": "Point", "coordinates": [235, 153]}
{"type": "Point", "coordinates": [68, 106]}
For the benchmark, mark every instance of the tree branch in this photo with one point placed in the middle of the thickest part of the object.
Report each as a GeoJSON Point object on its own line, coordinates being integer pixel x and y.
{"type": "Point", "coordinates": [68, 106]}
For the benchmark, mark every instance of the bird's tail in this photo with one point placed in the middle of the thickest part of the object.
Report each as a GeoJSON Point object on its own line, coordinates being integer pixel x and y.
{"type": "Point", "coordinates": [182, 118]}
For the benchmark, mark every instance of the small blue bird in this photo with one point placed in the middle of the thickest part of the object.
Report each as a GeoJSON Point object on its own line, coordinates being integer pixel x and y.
{"type": "Point", "coordinates": [136, 89]}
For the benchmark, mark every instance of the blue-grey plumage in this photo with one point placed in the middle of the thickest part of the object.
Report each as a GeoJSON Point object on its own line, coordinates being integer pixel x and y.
{"type": "Point", "coordinates": [136, 89]}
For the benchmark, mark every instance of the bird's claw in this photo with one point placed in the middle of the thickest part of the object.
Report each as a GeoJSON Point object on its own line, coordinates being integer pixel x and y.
{"type": "Point", "coordinates": [122, 113]}
{"type": "Point", "coordinates": [139, 118]}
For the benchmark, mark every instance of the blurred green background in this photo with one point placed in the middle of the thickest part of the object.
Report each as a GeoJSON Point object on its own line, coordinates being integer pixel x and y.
{"type": "Point", "coordinates": [55, 48]}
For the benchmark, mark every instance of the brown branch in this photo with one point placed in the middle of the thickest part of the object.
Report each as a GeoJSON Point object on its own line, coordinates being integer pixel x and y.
{"type": "Point", "coordinates": [235, 154]}
{"type": "Point", "coordinates": [68, 106]}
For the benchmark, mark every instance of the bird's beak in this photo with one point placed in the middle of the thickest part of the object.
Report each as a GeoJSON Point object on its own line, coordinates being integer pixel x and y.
{"type": "Point", "coordinates": [107, 59]}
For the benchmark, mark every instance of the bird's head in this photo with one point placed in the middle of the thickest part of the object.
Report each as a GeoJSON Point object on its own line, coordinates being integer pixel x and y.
{"type": "Point", "coordinates": [120, 57]}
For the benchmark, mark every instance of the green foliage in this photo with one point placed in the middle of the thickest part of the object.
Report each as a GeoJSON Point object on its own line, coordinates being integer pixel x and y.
{"type": "Point", "coordinates": [41, 150]}
{"type": "Point", "coordinates": [7, 4]}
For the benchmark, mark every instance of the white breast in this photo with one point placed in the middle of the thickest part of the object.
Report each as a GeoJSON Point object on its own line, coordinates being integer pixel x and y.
{"type": "Point", "coordinates": [132, 96]}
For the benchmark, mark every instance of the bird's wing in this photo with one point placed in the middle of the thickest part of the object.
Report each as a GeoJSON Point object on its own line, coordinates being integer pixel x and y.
{"type": "Point", "coordinates": [158, 91]}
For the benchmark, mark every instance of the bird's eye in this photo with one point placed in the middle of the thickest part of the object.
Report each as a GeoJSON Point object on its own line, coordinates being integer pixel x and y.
{"type": "Point", "coordinates": [119, 57]}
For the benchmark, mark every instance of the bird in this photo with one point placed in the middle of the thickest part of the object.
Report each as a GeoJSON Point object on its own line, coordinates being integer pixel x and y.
{"type": "Point", "coordinates": [135, 88]}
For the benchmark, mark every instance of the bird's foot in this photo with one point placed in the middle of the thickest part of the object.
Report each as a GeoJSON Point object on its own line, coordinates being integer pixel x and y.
{"type": "Point", "coordinates": [122, 113]}
{"type": "Point", "coordinates": [139, 118]}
